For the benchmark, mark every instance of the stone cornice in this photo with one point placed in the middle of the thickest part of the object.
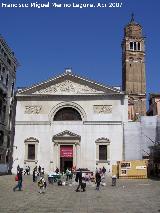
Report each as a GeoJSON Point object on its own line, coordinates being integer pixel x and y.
{"type": "Point", "coordinates": [32, 123]}
{"type": "Point", "coordinates": [102, 122]}
{"type": "Point", "coordinates": [22, 96]}
{"type": "Point", "coordinates": [84, 123]}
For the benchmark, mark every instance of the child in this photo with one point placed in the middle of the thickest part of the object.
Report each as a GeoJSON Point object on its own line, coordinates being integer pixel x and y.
{"type": "Point", "coordinates": [42, 185]}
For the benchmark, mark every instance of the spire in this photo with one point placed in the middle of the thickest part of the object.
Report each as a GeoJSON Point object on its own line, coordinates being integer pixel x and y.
{"type": "Point", "coordinates": [132, 18]}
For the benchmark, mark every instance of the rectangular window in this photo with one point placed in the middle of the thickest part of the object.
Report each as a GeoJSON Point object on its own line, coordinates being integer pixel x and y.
{"type": "Point", "coordinates": [9, 61]}
{"type": "Point", "coordinates": [2, 78]}
{"type": "Point", "coordinates": [139, 46]}
{"type": "Point", "coordinates": [8, 141]}
{"type": "Point", "coordinates": [5, 55]}
{"type": "Point", "coordinates": [102, 152]}
{"type": "Point", "coordinates": [12, 89]}
{"type": "Point", "coordinates": [135, 46]}
{"type": "Point", "coordinates": [7, 80]}
{"type": "Point", "coordinates": [3, 113]}
{"type": "Point", "coordinates": [7, 158]}
{"type": "Point", "coordinates": [1, 106]}
{"type": "Point", "coordinates": [131, 45]}
{"type": "Point", "coordinates": [31, 151]}
{"type": "Point", "coordinates": [1, 138]}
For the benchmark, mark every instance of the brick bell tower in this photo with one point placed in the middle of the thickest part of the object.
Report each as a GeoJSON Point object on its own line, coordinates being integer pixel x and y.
{"type": "Point", "coordinates": [133, 69]}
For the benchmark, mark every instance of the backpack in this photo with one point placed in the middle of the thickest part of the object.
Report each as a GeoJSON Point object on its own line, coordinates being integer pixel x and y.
{"type": "Point", "coordinates": [40, 183]}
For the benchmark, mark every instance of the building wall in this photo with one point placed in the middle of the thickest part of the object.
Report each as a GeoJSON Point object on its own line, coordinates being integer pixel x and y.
{"type": "Point", "coordinates": [158, 106]}
{"type": "Point", "coordinates": [8, 65]}
{"type": "Point", "coordinates": [94, 126]}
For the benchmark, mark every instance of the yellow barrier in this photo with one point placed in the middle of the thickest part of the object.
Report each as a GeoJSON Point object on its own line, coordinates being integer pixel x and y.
{"type": "Point", "coordinates": [135, 169]}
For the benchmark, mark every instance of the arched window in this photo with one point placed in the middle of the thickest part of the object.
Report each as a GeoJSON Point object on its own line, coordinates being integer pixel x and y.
{"type": "Point", "coordinates": [67, 114]}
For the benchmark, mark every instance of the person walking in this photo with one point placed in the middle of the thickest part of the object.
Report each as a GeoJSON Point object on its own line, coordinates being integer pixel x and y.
{"type": "Point", "coordinates": [79, 179]}
{"type": "Point", "coordinates": [103, 170]}
{"type": "Point", "coordinates": [34, 175]}
{"type": "Point", "coordinates": [68, 174]}
{"type": "Point", "coordinates": [42, 172]}
{"type": "Point", "coordinates": [29, 169]}
{"type": "Point", "coordinates": [18, 168]}
{"type": "Point", "coordinates": [57, 170]}
{"type": "Point", "coordinates": [39, 170]}
{"type": "Point", "coordinates": [19, 179]}
{"type": "Point", "coordinates": [98, 180]}
{"type": "Point", "coordinates": [42, 185]}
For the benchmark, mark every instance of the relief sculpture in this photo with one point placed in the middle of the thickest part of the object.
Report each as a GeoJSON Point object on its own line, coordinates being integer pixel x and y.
{"type": "Point", "coordinates": [67, 87]}
{"type": "Point", "coordinates": [102, 109]}
{"type": "Point", "coordinates": [32, 109]}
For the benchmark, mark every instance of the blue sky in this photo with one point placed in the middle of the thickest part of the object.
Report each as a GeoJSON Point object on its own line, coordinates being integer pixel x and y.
{"type": "Point", "coordinates": [48, 40]}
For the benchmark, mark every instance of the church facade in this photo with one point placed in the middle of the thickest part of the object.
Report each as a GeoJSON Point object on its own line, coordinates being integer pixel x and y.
{"type": "Point", "coordinates": [69, 121]}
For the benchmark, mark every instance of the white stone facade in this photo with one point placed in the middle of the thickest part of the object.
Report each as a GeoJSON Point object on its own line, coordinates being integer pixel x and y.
{"type": "Point", "coordinates": [103, 111]}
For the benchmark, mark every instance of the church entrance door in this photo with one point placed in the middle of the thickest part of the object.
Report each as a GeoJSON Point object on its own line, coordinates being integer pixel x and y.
{"type": "Point", "coordinates": [66, 157]}
{"type": "Point", "coordinates": [66, 163]}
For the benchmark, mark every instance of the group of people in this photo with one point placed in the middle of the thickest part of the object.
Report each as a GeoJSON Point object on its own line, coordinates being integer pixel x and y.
{"type": "Point", "coordinates": [79, 178]}
{"type": "Point", "coordinates": [38, 174]}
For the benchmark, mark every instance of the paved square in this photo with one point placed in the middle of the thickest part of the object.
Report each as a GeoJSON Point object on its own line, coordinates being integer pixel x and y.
{"type": "Point", "coordinates": [129, 196]}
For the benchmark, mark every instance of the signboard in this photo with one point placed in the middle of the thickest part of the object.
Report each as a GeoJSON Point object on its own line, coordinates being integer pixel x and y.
{"type": "Point", "coordinates": [141, 167]}
{"type": "Point", "coordinates": [125, 165]}
{"type": "Point", "coordinates": [123, 172]}
{"type": "Point", "coordinates": [66, 151]}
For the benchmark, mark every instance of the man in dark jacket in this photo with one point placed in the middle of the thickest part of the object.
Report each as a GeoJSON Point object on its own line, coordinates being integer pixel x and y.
{"type": "Point", "coordinates": [79, 179]}
{"type": "Point", "coordinates": [19, 185]}
{"type": "Point", "coordinates": [98, 179]}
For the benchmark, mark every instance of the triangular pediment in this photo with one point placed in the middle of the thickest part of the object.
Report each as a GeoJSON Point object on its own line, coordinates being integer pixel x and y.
{"type": "Point", "coordinates": [68, 84]}
{"type": "Point", "coordinates": [68, 87]}
{"type": "Point", "coordinates": [65, 134]}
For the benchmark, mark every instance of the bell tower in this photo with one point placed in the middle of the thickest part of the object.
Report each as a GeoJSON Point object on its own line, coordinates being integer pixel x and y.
{"type": "Point", "coordinates": [133, 68]}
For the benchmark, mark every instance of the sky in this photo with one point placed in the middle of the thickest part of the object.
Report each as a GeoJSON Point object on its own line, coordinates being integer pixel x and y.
{"type": "Point", "coordinates": [88, 40]}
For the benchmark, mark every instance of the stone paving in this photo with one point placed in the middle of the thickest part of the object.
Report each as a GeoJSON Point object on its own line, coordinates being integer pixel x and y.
{"type": "Point", "coordinates": [129, 196]}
